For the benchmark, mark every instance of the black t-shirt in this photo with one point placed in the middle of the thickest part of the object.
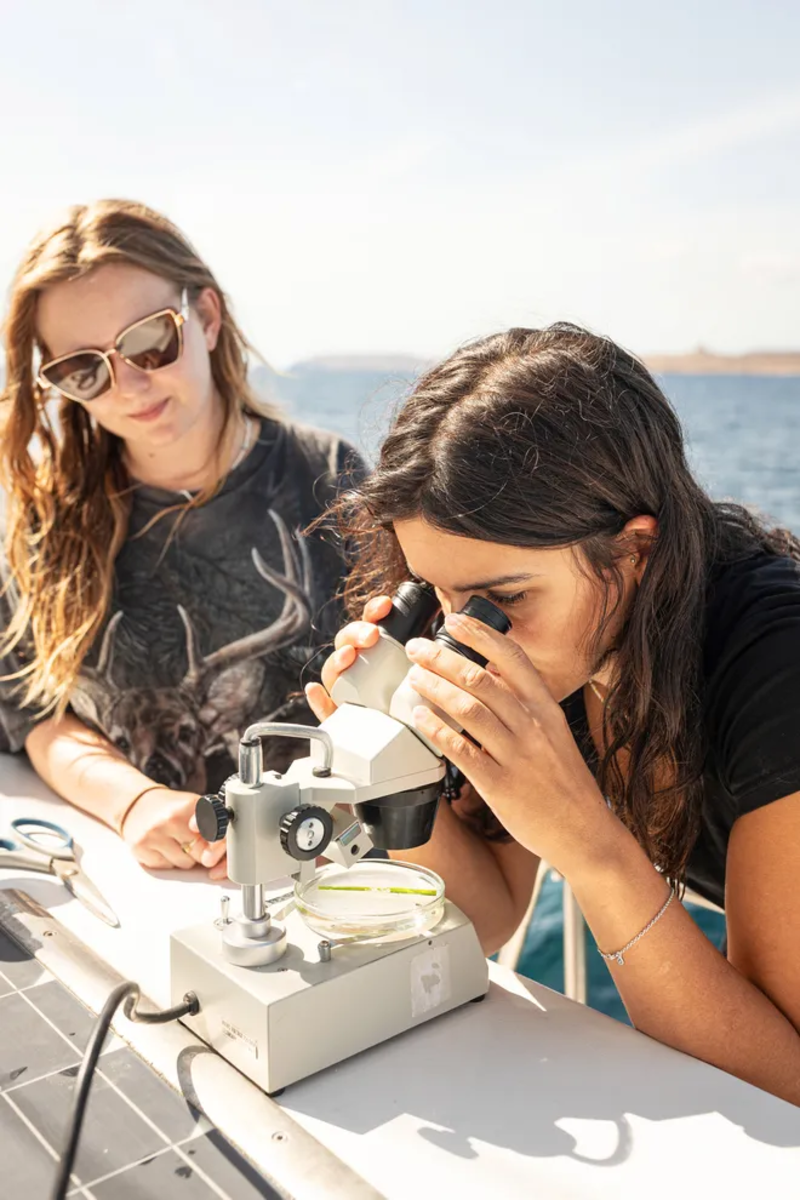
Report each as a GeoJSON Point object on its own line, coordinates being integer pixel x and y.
{"type": "Point", "coordinates": [218, 617]}
{"type": "Point", "coordinates": [751, 705]}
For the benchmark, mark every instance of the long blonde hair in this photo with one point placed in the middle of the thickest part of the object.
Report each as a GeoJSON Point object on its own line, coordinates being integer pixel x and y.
{"type": "Point", "coordinates": [67, 491]}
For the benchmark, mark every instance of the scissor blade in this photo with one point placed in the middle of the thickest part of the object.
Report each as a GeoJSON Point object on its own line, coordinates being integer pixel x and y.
{"type": "Point", "coordinates": [84, 890]}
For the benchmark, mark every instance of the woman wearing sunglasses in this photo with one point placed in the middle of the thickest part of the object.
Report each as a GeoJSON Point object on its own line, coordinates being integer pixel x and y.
{"type": "Point", "coordinates": [639, 726]}
{"type": "Point", "coordinates": [158, 597]}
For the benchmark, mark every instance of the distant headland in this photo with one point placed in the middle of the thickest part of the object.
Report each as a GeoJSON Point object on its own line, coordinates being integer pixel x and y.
{"type": "Point", "coordinates": [704, 362]}
{"type": "Point", "coordinates": [695, 362]}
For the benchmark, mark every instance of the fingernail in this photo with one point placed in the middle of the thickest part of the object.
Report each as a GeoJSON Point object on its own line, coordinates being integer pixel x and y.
{"type": "Point", "coordinates": [455, 621]}
{"type": "Point", "coordinates": [414, 646]}
{"type": "Point", "coordinates": [416, 674]}
{"type": "Point", "coordinates": [207, 858]}
{"type": "Point", "coordinates": [420, 714]}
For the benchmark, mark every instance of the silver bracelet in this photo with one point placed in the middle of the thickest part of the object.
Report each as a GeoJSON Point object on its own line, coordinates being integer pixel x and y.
{"type": "Point", "coordinates": [617, 954]}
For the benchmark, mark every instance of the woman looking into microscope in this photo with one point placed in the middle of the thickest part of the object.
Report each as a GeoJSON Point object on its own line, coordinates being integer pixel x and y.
{"type": "Point", "coordinates": [638, 727]}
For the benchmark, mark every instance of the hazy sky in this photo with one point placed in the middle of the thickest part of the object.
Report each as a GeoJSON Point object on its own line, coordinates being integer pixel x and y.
{"type": "Point", "coordinates": [400, 175]}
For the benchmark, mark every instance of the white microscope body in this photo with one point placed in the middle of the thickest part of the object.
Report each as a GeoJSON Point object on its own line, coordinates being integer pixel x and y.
{"type": "Point", "coordinates": [276, 1000]}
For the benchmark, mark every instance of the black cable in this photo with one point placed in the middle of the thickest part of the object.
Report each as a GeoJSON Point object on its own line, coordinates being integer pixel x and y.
{"type": "Point", "coordinates": [130, 993]}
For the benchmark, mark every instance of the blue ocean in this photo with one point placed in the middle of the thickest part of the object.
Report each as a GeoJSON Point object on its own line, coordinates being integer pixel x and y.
{"type": "Point", "coordinates": [741, 434]}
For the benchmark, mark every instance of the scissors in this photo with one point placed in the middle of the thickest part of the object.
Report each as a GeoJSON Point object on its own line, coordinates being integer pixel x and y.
{"type": "Point", "coordinates": [49, 848]}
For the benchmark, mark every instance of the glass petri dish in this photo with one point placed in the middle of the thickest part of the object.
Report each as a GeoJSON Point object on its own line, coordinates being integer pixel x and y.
{"type": "Point", "coordinates": [373, 901]}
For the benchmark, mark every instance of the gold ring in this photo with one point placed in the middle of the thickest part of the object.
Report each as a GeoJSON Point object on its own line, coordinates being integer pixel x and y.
{"type": "Point", "coordinates": [186, 847]}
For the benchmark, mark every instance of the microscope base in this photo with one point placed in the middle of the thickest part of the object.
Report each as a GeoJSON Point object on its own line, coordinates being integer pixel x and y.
{"type": "Point", "coordinates": [283, 1022]}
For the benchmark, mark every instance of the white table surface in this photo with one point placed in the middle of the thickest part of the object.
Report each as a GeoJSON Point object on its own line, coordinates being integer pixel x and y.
{"type": "Point", "coordinates": [526, 1094]}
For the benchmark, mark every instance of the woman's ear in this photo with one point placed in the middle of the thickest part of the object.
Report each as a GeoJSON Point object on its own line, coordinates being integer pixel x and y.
{"type": "Point", "coordinates": [638, 538]}
{"type": "Point", "coordinates": [209, 312]}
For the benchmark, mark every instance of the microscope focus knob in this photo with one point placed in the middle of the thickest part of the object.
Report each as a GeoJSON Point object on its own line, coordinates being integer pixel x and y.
{"type": "Point", "coordinates": [306, 831]}
{"type": "Point", "coordinates": [213, 818]}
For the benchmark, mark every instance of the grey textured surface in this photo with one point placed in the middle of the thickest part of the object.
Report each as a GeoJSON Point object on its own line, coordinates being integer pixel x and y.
{"type": "Point", "coordinates": [140, 1141]}
{"type": "Point", "coordinates": [165, 1175]}
{"type": "Point", "coordinates": [28, 1167]}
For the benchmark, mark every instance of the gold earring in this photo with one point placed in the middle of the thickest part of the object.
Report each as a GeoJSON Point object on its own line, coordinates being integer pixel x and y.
{"type": "Point", "coordinates": [634, 560]}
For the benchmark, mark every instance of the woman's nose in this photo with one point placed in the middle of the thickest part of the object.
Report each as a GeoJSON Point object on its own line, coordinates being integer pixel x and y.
{"type": "Point", "coordinates": [130, 381]}
{"type": "Point", "coordinates": [451, 601]}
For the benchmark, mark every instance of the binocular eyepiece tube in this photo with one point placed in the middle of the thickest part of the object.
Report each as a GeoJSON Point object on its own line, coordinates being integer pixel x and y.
{"type": "Point", "coordinates": [405, 819]}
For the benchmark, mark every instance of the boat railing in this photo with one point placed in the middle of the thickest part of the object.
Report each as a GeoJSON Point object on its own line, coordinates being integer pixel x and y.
{"type": "Point", "coordinates": [574, 933]}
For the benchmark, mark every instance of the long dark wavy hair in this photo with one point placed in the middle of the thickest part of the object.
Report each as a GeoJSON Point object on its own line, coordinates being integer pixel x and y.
{"type": "Point", "coordinates": [557, 437]}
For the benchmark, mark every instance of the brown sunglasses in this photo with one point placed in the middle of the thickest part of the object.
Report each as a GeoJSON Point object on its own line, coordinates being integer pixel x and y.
{"type": "Point", "coordinates": [148, 345]}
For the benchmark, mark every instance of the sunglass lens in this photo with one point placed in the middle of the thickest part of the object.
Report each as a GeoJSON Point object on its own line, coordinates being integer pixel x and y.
{"type": "Point", "coordinates": [151, 345]}
{"type": "Point", "coordinates": [81, 377]}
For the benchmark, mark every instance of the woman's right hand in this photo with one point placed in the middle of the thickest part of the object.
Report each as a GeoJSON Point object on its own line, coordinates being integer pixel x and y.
{"type": "Point", "coordinates": [158, 831]}
{"type": "Point", "coordinates": [358, 635]}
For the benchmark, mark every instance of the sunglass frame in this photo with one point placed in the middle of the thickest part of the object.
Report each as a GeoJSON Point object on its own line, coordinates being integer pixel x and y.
{"type": "Point", "coordinates": [180, 318]}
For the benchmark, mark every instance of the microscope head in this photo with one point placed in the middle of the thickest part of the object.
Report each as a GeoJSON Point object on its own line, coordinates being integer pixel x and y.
{"type": "Point", "coordinates": [367, 757]}
{"type": "Point", "coordinates": [400, 816]}
{"type": "Point", "coordinates": [397, 780]}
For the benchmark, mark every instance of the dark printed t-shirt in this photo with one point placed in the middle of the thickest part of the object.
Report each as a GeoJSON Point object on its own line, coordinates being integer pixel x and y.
{"type": "Point", "coordinates": [221, 624]}
{"type": "Point", "coordinates": [751, 705]}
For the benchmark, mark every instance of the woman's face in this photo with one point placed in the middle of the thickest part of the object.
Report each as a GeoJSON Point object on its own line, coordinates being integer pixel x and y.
{"type": "Point", "coordinates": [553, 601]}
{"type": "Point", "coordinates": [148, 410]}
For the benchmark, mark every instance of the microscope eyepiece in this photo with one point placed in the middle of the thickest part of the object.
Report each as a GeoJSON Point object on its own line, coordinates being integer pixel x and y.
{"type": "Point", "coordinates": [414, 606]}
{"type": "Point", "coordinates": [481, 610]}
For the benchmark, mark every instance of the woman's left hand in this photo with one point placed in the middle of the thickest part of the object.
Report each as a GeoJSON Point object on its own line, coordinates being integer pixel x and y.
{"type": "Point", "coordinates": [215, 857]}
{"type": "Point", "coordinates": [527, 765]}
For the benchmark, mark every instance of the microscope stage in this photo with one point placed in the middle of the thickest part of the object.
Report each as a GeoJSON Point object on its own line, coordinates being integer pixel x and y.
{"type": "Point", "coordinates": [280, 1023]}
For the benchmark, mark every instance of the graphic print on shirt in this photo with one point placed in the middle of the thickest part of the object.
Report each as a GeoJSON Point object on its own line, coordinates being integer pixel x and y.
{"type": "Point", "coordinates": [172, 734]}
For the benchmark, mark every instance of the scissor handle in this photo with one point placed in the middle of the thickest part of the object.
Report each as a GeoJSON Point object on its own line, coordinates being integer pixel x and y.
{"type": "Point", "coordinates": [26, 829]}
